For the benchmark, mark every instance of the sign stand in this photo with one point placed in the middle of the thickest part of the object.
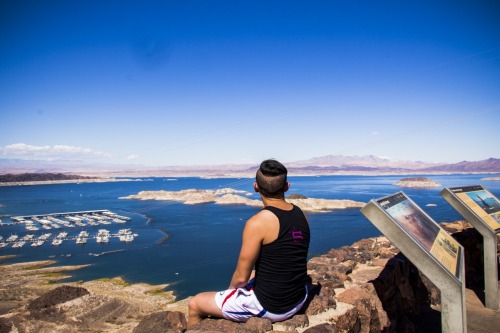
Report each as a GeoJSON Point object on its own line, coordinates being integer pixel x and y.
{"type": "Point", "coordinates": [431, 249]}
{"type": "Point", "coordinates": [481, 209]}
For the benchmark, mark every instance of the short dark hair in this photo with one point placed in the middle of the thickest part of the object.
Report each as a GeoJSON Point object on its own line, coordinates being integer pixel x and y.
{"type": "Point", "coordinates": [271, 179]}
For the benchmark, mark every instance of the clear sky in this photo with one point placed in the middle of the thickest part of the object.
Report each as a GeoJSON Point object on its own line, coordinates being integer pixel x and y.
{"type": "Point", "coordinates": [209, 82]}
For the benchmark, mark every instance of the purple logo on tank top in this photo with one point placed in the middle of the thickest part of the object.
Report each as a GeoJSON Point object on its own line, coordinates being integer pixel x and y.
{"type": "Point", "coordinates": [296, 235]}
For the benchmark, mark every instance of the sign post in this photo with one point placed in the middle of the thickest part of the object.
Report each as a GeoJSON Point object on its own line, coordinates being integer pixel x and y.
{"type": "Point", "coordinates": [481, 209]}
{"type": "Point", "coordinates": [429, 247]}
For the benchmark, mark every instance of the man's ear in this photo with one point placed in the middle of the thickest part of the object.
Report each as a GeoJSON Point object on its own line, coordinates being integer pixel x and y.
{"type": "Point", "coordinates": [256, 187]}
{"type": "Point", "coordinates": [287, 186]}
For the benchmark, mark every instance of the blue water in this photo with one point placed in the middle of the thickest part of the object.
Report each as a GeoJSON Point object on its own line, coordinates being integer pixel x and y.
{"type": "Point", "coordinates": [201, 251]}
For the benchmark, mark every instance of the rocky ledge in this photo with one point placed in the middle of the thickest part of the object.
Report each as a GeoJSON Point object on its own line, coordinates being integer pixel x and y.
{"type": "Point", "coordinates": [228, 196]}
{"type": "Point", "coordinates": [366, 287]}
{"type": "Point", "coordinates": [419, 182]}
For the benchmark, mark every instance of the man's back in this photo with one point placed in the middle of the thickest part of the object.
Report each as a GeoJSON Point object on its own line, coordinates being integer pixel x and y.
{"type": "Point", "coordinates": [281, 268]}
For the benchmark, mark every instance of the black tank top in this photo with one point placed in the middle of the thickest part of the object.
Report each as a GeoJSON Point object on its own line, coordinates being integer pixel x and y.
{"type": "Point", "coordinates": [281, 268]}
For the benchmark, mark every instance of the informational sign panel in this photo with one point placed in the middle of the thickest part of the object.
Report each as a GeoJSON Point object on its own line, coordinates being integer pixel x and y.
{"type": "Point", "coordinates": [429, 247]}
{"type": "Point", "coordinates": [423, 230]}
{"type": "Point", "coordinates": [481, 202]}
{"type": "Point", "coordinates": [481, 209]}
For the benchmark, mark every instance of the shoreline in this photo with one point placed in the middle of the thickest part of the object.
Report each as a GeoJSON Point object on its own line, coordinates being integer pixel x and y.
{"type": "Point", "coordinates": [141, 178]}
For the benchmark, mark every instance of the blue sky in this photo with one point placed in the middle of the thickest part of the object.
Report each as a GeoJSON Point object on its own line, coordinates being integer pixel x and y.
{"type": "Point", "coordinates": [209, 82]}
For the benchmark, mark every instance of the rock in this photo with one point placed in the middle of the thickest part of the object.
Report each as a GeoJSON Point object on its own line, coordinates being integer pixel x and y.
{"type": "Point", "coordinates": [56, 296]}
{"type": "Point", "coordinates": [299, 320]}
{"type": "Point", "coordinates": [44, 307]}
{"type": "Point", "coordinates": [162, 322]}
{"type": "Point", "coordinates": [5, 326]}
{"type": "Point", "coordinates": [320, 299]}
{"type": "Point", "coordinates": [369, 310]}
{"type": "Point", "coordinates": [260, 325]}
{"type": "Point", "coordinates": [221, 325]}
{"type": "Point", "coordinates": [349, 321]}
{"type": "Point", "coordinates": [296, 196]}
{"type": "Point", "coordinates": [323, 328]}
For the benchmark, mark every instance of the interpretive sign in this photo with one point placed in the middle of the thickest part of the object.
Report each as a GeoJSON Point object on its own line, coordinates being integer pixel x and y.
{"type": "Point", "coordinates": [481, 209]}
{"type": "Point", "coordinates": [423, 230]}
{"type": "Point", "coordinates": [429, 247]}
{"type": "Point", "coordinates": [480, 202]}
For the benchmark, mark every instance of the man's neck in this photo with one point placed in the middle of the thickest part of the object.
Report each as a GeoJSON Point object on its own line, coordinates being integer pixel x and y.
{"type": "Point", "coordinates": [276, 202]}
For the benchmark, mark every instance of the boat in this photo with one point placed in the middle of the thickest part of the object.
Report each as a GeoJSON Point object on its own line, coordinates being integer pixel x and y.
{"type": "Point", "coordinates": [81, 240]}
{"type": "Point", "coordinates": [37, 243]}
{"type": "Point", "coordinates": [44, 237]}
{"type": "Point", "coordinates": [102, 239]}
{"type": "Point", "coordinates": [27, 237]}
{"type": "Point", "coordinates": [62, 234]}
{"type": "Point", "coordinates": [103, 232]}
{"type": "Point", "coordinates": [12, 238]}
{"type": "Point", "coordinates": [124, 231]}
{"type": "Point", "coordinates": [18, 244]}
{"type": "Point", "coordinates": [57, 241]}
{"type": "Point", "coordinates": [126, 238]}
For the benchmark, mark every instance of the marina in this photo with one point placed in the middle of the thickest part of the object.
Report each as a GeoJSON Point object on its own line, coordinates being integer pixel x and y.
{"type": "Point", "coordinates": [80, 219]}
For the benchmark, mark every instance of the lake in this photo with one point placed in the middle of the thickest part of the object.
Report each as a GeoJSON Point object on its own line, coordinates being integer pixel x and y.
{"type": "Point", "coordinates": [203, 240]}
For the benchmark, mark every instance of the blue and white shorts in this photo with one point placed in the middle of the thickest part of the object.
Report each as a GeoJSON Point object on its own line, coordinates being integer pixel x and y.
{"type": "Point", "coordinates": [241, 304]}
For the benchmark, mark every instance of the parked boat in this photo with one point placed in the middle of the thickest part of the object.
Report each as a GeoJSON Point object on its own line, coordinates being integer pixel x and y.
{"type": "Point", "coordinates": [18, 244]}
{"type": "Point", "coordinates": [57, 241]}
{"type": "Point", "coordinates": [81, 240]}
{"type": "Point", "coordinates": [102, 239]}
{"type": "Point", "coordinates": [12, 238]}
{"type": "Point", "coordinates": [37, 243]}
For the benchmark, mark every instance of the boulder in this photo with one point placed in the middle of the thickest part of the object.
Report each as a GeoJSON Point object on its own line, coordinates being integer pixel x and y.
{"type": "Point", "coordinates": [162, 322]}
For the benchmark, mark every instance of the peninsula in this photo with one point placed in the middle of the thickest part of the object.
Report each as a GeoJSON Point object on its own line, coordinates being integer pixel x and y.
{"type": "Point", "coordinates": [46, 178]}
{"type": "Point", "coordinates": [228, 196]}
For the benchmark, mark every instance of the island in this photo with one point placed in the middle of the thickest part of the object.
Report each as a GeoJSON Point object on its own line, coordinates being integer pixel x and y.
{"type": "Point", "coordinates": [228, 196]}
{"type": "Point", "coordinates": [491, 178]}
{"type": "Point", "coordinates": [417, 182]}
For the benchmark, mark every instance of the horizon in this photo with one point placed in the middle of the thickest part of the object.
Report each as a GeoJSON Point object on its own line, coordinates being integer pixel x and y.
{"type": "Point", "coordinates": [194, 83]}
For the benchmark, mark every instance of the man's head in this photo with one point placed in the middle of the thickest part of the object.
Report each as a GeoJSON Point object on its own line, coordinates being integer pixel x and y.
{"type": "Point", "coordinates": [271, 179]}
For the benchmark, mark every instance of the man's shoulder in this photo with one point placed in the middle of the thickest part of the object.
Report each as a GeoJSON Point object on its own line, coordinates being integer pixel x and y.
{"type": "Point", "coordinates": [261, 219]}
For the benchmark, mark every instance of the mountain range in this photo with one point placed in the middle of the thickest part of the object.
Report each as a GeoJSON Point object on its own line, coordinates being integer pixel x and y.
{"type": "Point", "coordinates": [325, 165]}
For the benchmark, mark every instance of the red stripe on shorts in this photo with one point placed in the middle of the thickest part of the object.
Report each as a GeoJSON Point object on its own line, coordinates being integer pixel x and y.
{"type": "Point", "coordinates": [228, 296]}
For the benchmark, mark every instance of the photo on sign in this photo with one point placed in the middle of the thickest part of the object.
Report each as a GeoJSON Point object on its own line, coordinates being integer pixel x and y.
{"type": "Point", "coordinates": [487, 202]}
{"type": "Point", "coordinates": [415, 223]}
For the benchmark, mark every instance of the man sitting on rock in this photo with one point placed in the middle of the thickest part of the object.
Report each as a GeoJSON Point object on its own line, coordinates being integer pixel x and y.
{"type": "Point", "coordinates": [276, 242]}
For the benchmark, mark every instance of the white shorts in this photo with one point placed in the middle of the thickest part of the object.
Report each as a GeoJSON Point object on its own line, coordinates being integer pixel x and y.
{"type": "Point", "coordinates": [241, 304]}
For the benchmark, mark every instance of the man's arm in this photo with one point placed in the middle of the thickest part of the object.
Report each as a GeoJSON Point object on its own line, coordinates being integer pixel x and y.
{"type": "Point", "coordinates": [253, 235]}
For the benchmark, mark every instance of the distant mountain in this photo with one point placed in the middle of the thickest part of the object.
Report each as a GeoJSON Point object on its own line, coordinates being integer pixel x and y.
{"type": "Point", "coordinates": [370, 161]}
{"type": "Point", "coordinates": [489, 165]}
{"type": "Point", "coordinates": [372, 164]}
{"type": "Point", "coordinates": [326, 165]}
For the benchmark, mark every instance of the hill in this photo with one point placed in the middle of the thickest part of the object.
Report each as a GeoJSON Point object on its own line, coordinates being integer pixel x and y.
{"type": "Point", "coordinates": [326, 165]}
{"type": "Point", "coordinates": [37, 177]}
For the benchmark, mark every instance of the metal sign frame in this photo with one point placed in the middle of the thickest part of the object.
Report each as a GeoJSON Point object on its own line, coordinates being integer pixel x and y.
{"type": "Point", "coordinates": [482, 210]}
{"type": "Point", "coordinates": [396, 217]}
